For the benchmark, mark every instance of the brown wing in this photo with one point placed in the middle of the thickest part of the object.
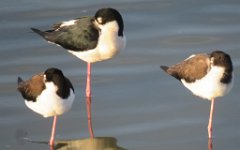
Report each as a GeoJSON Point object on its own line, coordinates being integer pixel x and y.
{"type": "Point", "coordinates": [191, 69]}
{"type": "Point", "coordinates": [31, 88]}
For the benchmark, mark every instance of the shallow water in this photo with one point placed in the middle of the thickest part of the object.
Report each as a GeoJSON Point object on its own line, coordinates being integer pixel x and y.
{"type": "Point", "coordinates": [133, 100]}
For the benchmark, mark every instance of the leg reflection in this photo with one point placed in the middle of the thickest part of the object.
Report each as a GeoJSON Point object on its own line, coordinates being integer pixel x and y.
{"type": "Point", "coordinates": [210, 144]}
{"type": "Point", "coordinates": [88, 102]}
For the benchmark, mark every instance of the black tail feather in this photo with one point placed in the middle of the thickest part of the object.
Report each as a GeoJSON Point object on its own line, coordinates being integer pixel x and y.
{"type": "Point", "coordinates": [165, 68]}
{"type": "Point", "coordinates": [20, 80]}
{"type": "Point", "coordinates": [171, 71]}
{"type": "Point", "coordinates": [41, 33]}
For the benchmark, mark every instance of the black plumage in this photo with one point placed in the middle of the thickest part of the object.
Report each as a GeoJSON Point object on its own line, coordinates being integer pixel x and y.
{"type": "Point", "coordinates": [81, 36]}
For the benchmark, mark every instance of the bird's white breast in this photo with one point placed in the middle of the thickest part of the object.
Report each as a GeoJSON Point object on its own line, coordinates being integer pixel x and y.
{"type": "Point", "coordinates": [210, 86]}
{"type": "Point", "coordinates": [49, 103]}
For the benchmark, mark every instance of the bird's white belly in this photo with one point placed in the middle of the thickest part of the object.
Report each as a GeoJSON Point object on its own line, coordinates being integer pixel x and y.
{"type": "Point", "coordinates": [49, 104]}
{"type": "Point", "coordinates": [209, 86]}
{"type": "Point", "coordinates": [107, 48]}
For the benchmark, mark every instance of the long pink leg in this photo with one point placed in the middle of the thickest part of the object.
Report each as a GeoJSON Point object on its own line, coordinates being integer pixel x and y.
{"type": "Point", "coordinates": [51, 142]}
{"type": "Point", "coordinates": [210, 119]}
{"type": "Point", "coordinates": [88, 100]}
{"type": "Point", "coordinates": [88, 85]}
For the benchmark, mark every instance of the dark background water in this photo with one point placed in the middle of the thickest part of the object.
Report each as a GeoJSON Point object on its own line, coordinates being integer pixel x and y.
{"type": "Point", "coordinates": [133, 100]}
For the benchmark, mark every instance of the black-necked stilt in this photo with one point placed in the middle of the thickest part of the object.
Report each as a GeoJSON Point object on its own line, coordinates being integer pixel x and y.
{"type": "Point", "coordinates": [91, 39]}
{"type": "Point", "coordinates": [49, 94]}
{"type": "Point", "coordinates": [205, 75]}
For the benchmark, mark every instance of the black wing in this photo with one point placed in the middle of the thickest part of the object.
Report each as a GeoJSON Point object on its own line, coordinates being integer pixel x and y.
{"type": "Point", "coordinates": [80, 36]}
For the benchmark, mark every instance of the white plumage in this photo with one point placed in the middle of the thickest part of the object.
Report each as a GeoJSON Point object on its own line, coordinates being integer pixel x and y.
{"type": "Point", "coordinates": [49, 104]}
{"type": "Point", "coordinates": [209, 86]}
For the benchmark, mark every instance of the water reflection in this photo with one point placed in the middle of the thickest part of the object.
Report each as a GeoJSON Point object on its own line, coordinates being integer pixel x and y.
{"type": "Point", "coordinates": [99, 143]}
{"type": "Point", "coordinates": [89, 115]}
{"type": "Point", "coordinates": [210, 144]}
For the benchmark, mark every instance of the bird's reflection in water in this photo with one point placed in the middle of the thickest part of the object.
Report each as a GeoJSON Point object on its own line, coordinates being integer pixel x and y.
{"type": "Point", "coordinates": [98, 143]}
{"type": "Point", "coordinates": [210, 144]}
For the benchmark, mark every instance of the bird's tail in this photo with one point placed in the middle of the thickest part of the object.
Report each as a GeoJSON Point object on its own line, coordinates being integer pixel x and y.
{"type": "Point", "coordinates": [171, 71]}
{"type": "Point", "coordinates": [41, 33]}
{"type": "Point", "coordinates": [165, 68]}
{"type": "Point", "coordinates": [20, 80]}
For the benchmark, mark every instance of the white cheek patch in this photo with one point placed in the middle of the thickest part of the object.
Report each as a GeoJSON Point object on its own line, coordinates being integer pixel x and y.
{"type": "Point", "coordinates": [99, 20]}
{"type": "Point", "coordinates": [68, 23]}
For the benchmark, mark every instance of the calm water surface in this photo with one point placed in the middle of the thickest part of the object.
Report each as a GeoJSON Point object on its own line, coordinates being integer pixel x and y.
{"type": "Point", "coordinates": [133, 100]}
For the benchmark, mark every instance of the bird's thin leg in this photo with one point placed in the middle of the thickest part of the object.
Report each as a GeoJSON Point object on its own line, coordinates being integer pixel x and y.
{"type": "Point", "coordinates": [88, 85]}
{"type": "Point", "coordinates": [210, 119]}
{"type": "Point", "coordinates": [51, 142]}
{"type": "Point", "coordinates": [88, 100]}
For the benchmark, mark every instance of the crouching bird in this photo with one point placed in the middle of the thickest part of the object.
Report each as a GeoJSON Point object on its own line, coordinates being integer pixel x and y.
{"type": "Point", "coordinates": [205, 75]}
{"type": "Point", "coordinates": [48, 94]}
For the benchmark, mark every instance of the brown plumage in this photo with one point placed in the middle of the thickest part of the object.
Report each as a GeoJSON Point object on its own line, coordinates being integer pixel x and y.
{"type": "Point", "coordinates": [205, 75]}
{"type": "Point", "coordinates": [31, 88]}
{"type": "Point", "coordinates": [188, 70]}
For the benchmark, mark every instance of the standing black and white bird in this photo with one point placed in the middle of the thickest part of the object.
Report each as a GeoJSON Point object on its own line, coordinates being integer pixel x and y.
{"type": "Point", "coordinates": [91, 39]}
{"type": "Point", "coordinates": [48, 94]}
{"type": "Point", "coordinates": [205, 75]}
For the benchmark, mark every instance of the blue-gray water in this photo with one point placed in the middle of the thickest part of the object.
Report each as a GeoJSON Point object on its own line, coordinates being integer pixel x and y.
{"type": "Point", "coordinates": [133, 100]}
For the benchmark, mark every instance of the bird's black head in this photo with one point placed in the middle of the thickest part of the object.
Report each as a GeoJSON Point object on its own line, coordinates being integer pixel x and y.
{"type": "Point", "coordinates": [221, 59]}
{"type": "Point", "coordinates": [106, 15]}
{"type": "Point", "coordinates": [53, 74]}
{"type": "Point", "coordinates": [56, 76]}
